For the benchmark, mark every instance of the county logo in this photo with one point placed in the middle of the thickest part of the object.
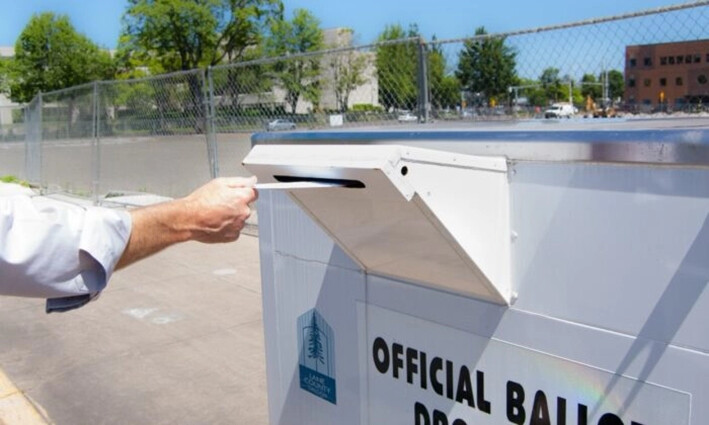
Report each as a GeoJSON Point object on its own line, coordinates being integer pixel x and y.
{"type": "Point", "coordinates": [316, 356]}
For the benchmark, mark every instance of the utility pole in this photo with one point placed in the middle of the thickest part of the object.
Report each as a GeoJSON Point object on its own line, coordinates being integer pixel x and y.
{"type": "Point", "coordinates": [516, 89]}
{"type": "Point", "coordinates": [604, 75]}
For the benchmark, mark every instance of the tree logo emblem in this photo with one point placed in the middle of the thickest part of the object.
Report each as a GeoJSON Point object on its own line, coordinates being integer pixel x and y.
{"type": "Point", "coordinates": [316, 356]}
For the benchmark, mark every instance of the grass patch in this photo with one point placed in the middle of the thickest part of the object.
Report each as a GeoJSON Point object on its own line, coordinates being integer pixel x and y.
{"type": "Point", "coordinates": [13, 179]}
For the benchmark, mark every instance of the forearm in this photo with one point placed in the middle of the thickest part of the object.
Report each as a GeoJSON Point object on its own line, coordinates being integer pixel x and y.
{"type": "Point", "coordinates": [154, 229]}
{"type": "Point", "coordinates": [214, 213]}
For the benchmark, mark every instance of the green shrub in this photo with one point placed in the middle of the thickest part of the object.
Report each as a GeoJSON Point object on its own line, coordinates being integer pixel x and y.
{"type": "Point", "coordinates": [366, 107]}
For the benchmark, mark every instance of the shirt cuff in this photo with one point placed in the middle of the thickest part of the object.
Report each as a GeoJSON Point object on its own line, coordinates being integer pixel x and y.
{"type": "Point", "coordinates": [104, 237]}
{"type": "Point", "coordinates": [60, 305]}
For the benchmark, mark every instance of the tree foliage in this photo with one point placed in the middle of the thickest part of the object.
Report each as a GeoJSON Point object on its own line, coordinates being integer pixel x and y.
{"type": "Point", "coordinates": [347, 73]}
{"type": "Point", "coordinates": [170, 35]}
{"type": "Point", "coordinates": [594, 85]}
{"type": "Point", "coordinates": [5, 75]}
{"type": "Point", "coordinates": [552, 84]}
{"type": "Point", "coordinates": [299, 76]}
{"type": "Point", "coordinates": [51, 55]}
{"type": "Point", "coordinates": [591, 87]}
{"type": "Point", "coordinates": [616, 84]}
{"type": "Point", "coordinates": [445, 87]}
{"type": "Point", "coordinates": [487, 65]}
{"type": "Point", "coordinates": [397, 68]}
{"type": "Point", "coordinates": [231, 82]}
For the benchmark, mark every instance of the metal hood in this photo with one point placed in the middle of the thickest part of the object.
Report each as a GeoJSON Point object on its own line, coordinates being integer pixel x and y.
{"type": "Point", "coordinates": [430, 217]}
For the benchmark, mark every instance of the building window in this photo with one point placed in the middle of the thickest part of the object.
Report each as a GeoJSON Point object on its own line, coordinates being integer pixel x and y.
{"type": "Point", "coordinates": [679, 81]}
{"type": "Point", "coordinates": [663, 60]}
{"type": "Point", "coordinates": [633, 63]}
{"type": "Point", "coordinates": [647, 61]}
{"type": "Point", "coordinates": [707, 57]}
{"type": "Point", "coordinates": [647, 82]}
{"type": "Point", "coordinates": [671, 60]}
{"type": "Point", "coordinates": [663, 82]}
{"type": "Point", "coordinates": [680, 60]}
{"type": "Point", "coordinates": [688, 59]}
{"type": "Point", "coordinates": [697, 58]}
{"type": "Point", "coordinates": [702, 79]}
{"type": "Point", "coordinates": [631, 82]}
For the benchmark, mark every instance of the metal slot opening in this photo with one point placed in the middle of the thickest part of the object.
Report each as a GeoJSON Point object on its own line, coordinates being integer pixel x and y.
{"type": "Point", "coordinates": [354, 184]}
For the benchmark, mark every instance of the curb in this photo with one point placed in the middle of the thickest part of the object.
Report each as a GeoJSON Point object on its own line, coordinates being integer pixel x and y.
{"type": "Point", "coordinates": [15, 407]}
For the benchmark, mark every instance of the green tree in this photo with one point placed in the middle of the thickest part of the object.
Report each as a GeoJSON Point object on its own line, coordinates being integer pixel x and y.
{"type": "Point", "coordinates": [170, 35]}
{"type": "Point", "coordinates": [554, 89]}
{"type": "Point", "coordinates": [397, 67]}
{"type": "Point", "coordinates": [616, 85]}
{"type": "Point", "coordinates": [590, 86]}
{"type": "Point", "coordinates": [248, 79]}
{"type": "Point", "coordinates": [347, 73]}
{"type": "Point", "coordinates": [533, 92]}
{"type": "Point", "coordinates": [51, 55]}
{"type": "Point", "coordinates": [569, 89]}
{"type": "Point", "coordinates": [444, 86]}
{"type": "Point", "coordinates": [5, 75]}
{"type": "Point", "coordinates": [487, 65]}
{"type": "Point", "coordinates": [185, 34]}
{"type": "Point", "coordinates": [299, 76]}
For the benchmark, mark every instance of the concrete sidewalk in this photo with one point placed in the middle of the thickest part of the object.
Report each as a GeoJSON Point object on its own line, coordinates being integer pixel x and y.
{"type": "Point", "coordinates": [175, 339]}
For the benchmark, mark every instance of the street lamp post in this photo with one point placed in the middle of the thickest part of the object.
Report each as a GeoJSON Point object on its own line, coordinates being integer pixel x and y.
{"type": "Point", "coordinates": [516, 89]}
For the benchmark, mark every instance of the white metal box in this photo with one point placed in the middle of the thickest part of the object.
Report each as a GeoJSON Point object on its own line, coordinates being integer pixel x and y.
{"type": "Point", "coordinates": [607, 232]}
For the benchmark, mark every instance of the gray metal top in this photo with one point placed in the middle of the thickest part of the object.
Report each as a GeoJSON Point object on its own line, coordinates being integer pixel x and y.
{"type": "Point", "coordinates": [673, 141]}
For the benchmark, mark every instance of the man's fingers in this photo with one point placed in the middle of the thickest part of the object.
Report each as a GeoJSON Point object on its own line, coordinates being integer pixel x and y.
{"type": "Point", "coordinates": [240, 181]}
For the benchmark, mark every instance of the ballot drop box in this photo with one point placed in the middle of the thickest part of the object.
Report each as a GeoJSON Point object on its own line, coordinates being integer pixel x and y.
{"type": "Point", "coordinates": [548, 275]}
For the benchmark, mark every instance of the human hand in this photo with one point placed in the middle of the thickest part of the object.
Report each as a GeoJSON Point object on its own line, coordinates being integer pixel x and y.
{"type": "Point", "coordinates": [217, 211]}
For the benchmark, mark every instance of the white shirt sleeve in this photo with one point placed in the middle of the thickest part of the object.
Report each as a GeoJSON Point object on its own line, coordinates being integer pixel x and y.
{"type": "Point", "coordinates": [54, 250]}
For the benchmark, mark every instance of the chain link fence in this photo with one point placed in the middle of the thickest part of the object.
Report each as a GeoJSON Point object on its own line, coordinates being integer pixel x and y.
{"type": "Point", "coordinates": [648, 62]}
{"type": "Point", "coordinates": [68, 140]}
{"type": "Point", "coordinates": [167, 134]}
{"type": "Point", "coordinates": [151, 135]}
{"type": "Point", "coordinates": [13, 128]}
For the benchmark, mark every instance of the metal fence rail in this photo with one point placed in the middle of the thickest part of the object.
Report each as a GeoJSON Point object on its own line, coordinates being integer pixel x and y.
{"type": "Point", "coordinates": [166, 134]}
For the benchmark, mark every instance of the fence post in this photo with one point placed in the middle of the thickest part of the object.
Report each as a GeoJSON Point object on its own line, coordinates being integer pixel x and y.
{"type": "Point", "coordinates": [28, 132]}
{"type": "Point", "coordinates": [423, 102]}
{"type": "Point", "coordinates": [96, 147]}
{"type": "Point", "coordinates": [210, 132]}
{"type": "Point", "coordinates": [39, 148]}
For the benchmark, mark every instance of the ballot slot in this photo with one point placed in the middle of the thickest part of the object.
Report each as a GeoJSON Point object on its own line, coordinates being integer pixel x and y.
{"type": "Point", "coordinates": [424, 216]}
{"type": "Point", "coordinates": [351, 184]}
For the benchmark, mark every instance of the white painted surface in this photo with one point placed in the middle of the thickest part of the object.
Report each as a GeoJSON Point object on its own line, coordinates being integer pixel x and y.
{"type": "Point", "coordinates": [467, 377]}
{"type": "Point", "coordinates": [432, 217]}
{"type": "Point", "coordinates": [610, 264]}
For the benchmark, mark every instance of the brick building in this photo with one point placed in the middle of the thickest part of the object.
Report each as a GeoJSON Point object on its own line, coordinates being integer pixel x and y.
{"type": "Point", "coordinates": [667, 75]}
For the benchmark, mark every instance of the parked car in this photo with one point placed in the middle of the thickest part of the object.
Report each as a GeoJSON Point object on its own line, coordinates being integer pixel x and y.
{"type": "Point", "coordinates": [280, 124]}
{"type": "Point", "coordinates": [559, 110]}
{"type": "Point", "coordinates": [407, 117]}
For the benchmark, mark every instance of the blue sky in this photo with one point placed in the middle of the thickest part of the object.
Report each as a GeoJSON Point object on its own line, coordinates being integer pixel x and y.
{"type": "Point", "coordinates": [100, 19]}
